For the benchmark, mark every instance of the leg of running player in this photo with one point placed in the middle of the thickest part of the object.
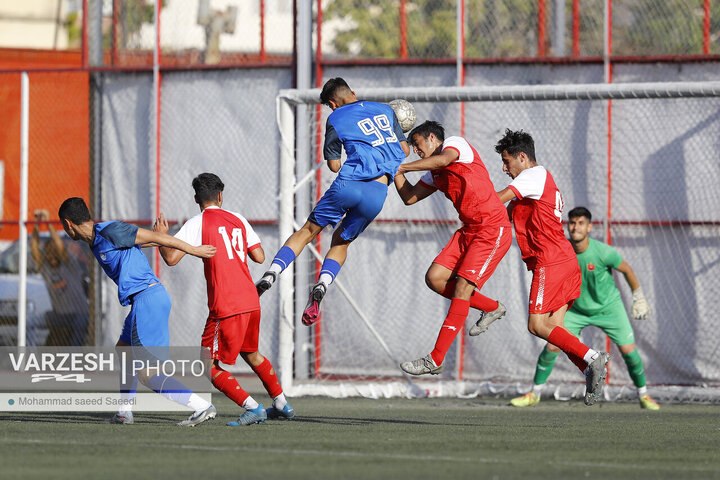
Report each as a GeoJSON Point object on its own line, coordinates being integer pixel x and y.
{"type": "Point", "coordinates": [266, 373]}
{"type": "Point", "coordinates": [128, 385]}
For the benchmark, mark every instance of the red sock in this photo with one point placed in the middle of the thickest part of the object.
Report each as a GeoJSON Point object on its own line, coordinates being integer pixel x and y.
{"type": "Point", "coordinates": [571, 345]}
{"type": "Point", "coordinates": [227, 384]}
{"type": "Point", "coordinates": [478, 301]}
{"type": "Point", "coordinates": [454, 321]}
{"type": "Point", "coordinates": [270, 381]}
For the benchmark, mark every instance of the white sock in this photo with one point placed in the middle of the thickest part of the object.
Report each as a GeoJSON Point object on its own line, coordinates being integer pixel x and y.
{"type": "Point", "coordinates": [250, 404]}
{"type": "Point", "coordinates": [279, 402]}
{"type": "Point", "coordinates": [537, 389]}
{"type": "Point", "coordinates": [325, 279]}
{"type": "Point", "coordinates": [642, 391]}
{"type": "Point", "coordinates": [590, 356]}
{"type": "Point", "coordinates": [197, 403]}
{"type": "Point", "coordinates": [275, 268]}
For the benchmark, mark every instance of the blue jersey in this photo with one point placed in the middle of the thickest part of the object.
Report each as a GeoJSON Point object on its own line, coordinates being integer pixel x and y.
{"type": "Point", "coordinates": [123, 261]}
{"type": "Point", "coordinates": [371, 135]}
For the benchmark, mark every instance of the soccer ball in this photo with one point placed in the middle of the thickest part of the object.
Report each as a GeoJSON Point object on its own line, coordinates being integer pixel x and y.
{"type": "Point", "coordinates": [405, 113]}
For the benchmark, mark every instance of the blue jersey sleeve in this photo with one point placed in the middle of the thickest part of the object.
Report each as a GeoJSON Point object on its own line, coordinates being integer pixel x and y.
{"type": "Point", "coordinates": [333, 146]}
{"type": "Point", "coordinates": [120, 234]}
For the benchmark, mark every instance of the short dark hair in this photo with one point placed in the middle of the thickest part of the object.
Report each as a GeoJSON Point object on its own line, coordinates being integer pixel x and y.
{"type": "Point", "coordinates": [425, 129]}
{"type": "Point", "coordinates": [333, 90]}
{"type": "Point", "coordinates": [74, 209]}
{"type": "Point", "coordinates": [207, 186]}
{"type": "Point", "coordinates": [580, 212]}
{"type": "Point", "coordinates": [516, 142]}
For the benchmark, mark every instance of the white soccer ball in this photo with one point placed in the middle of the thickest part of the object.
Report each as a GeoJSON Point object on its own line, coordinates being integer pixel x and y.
{"type": "Point", "coordinates": [405, 113]}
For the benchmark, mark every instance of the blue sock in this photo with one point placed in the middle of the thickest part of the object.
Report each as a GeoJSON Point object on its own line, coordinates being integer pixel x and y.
{"type": "Point", "coordinates": [330, 269]}
{"type": "Point", "coordinates": [284, 257]}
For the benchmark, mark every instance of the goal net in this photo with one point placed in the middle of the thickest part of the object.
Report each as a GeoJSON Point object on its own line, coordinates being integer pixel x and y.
{"type": "Point", "coordinates": [642, 157]}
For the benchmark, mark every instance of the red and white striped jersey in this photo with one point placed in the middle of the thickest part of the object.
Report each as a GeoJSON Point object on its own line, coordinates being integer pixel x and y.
{"type": "Point", "coordinates": [230, 288]}
{"type": "Point", "coordinates": [467, 184]}
{"type": "Point", "coordinates": [537, 217]}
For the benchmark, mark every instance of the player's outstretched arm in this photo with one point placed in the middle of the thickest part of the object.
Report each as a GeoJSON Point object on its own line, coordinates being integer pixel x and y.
{"type": "Point", "coordinates": [171, 256]}
{"type": "Point", "coordinates": [148, 237]}
{"type": "Point", "coordinates": [408, 192]}
{"type": "Point", "coordinates": [439, 160]}
{"type": "Point", "coordinates": [640, 309]}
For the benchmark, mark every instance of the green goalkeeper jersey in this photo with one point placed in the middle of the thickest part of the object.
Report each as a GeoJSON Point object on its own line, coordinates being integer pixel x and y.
{"type": "Point", "coordinates": [598, 287]}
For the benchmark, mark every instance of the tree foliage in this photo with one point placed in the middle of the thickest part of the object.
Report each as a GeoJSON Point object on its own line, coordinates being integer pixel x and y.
{"type": "Point", "coordinates": [508, 28]}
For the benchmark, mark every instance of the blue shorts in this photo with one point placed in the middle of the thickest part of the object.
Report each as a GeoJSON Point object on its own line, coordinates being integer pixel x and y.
{"type": "Point", "coordinates": [147, 322]}
{"type": "Point", "coordinates": [359, 200]}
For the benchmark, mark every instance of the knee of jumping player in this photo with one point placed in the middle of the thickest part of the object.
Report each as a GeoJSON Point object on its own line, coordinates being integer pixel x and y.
{"type": "Point", "coordinates": [536, 325]}
{"type": "Point", "coordinates": [435, 280]}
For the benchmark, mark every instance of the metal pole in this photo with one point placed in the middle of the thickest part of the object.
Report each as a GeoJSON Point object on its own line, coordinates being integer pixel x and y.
{"type": "Point", "coordinates": [22, 287]}
{"type": "Point", "coordinates": [286, 124]}
{"type": "Point", "coordinates": [302, 167]}
{"type": "Point", "coordinates": [157, 79]}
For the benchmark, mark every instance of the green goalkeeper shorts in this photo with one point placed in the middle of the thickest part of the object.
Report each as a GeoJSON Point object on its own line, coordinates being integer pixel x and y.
{"type": "Point", "coordinates": [613, 320]}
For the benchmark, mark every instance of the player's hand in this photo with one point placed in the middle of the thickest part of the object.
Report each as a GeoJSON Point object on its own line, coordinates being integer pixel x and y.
{"type": "Point", "coordinates": [640, 309]}
{"type": "Point", "coordinates": [400, 170]}
{"type": "Point", "coordinates": [205, 251]}
{"type": "Point", "coordinates": [41, 215]}
{"type": "Point", "coordinates": [161, 225]}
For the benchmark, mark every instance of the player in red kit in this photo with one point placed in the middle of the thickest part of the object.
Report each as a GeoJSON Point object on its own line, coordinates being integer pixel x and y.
{"type": "Point", "coordinates": [536, 212]}
{"type": "Point", "coordinates": [475, 250]}
{"type": "Point", "coordinates": [233, 324]}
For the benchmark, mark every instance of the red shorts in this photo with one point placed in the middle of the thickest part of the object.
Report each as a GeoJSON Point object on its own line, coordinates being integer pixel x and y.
{"type": "Point", "coordinates": [225, 338]}
{"type": "Point", "coordinates": [554, 286]}
{"type": "Point", "coordinates": [474, 253]}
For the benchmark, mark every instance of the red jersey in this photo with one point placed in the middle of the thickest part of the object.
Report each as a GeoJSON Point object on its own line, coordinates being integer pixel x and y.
{"type": "Point", "coordinates": [537, 217]}
{"type": "Point", "coordinates": [230, 288]}
{"type": "Point", "coordinates": [466, 183]}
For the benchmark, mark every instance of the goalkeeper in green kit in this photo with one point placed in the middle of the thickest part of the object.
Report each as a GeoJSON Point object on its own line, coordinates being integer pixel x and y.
{"type": "Point", "coordinates": [599, 305]}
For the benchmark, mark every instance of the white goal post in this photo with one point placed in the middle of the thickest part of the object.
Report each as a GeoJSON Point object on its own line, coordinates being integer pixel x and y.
{"type": "Point", "coordinates": [648, 170]}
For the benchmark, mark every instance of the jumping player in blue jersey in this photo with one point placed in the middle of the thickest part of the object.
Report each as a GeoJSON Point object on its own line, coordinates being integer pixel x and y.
{"type": "Point", "coordinates": [117, 248]}
{"type": "Point", "coordinates": [375, 146]}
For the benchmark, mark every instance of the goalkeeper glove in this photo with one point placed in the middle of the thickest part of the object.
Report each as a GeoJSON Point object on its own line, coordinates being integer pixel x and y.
{"type": "Point", "coordinates": [640, 309]}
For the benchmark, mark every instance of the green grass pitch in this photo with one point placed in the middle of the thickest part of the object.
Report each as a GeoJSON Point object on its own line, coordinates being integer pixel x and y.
{"type": "Point", "coordinates": [362, 438]}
